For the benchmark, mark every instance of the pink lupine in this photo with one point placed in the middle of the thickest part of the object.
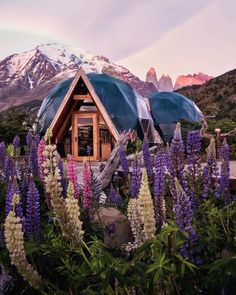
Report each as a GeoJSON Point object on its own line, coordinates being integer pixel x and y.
{"type": "Point", "coordinates": [72, 175]}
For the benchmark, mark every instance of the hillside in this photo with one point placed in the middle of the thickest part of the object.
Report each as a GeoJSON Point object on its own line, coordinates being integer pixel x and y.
{"type": "Point", "coordinates": [217, 96]}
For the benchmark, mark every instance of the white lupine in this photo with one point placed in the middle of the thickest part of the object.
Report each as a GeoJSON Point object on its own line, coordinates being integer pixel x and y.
{"type": "Point", "coordinates": [147, 213]}
{"type": "Point", "coordinates": [14, 238]}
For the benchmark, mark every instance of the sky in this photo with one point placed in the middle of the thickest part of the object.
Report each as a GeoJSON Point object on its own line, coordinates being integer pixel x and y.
{"type": "Point", "coordinates": [173, 36]}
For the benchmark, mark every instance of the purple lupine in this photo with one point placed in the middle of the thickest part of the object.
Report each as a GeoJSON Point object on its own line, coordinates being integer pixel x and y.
{"type": "Point", "coordinates": [2, 154]}
{"type": "Point", "coordinates": [113, 197]}
{"type": "Point", "coordinates": [12, 189]}
{"type": "Point", "coordinates": [33, 158]}
{"type": "Point", "coordinates": [9, 167]}
{"type": "Point", "coordinates": [29, 138]}
{"type": "Point", "coordinates": [194, 164]}
{"type": "Point", "coordinates": [16, 144]}
{"type": "Point", "coordinates": [184, 217]}
{"type": "Point", "coordinates": [32, 226]}
{"type": "Point", "coordinates": [63, 179]}
{"type": "Point", "coordinates": [135, 179]}
{"type": "Point", "coordinates": [176, 156]}
{"type": "Point", "coordinates": [37, 138]}
{"type": "Point", "coordinates": [224, 172]}
{"type": "Point", "coordinates": [147, 159]}
{"type": "Point", "coordinates": [25, 184]}
{"type": "Point", "coordinates": [159, 188]}
{"type": "Point", "coordinates": [123, 161]}
{"type": "Point", "coordinates": [176, 161]}
{"type": "Point", "coordinates": [211, 173]}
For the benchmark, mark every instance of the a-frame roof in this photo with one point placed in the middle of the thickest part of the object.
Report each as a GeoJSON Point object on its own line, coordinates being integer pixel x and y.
{"type": "Point", "coordinates": [69, 96]}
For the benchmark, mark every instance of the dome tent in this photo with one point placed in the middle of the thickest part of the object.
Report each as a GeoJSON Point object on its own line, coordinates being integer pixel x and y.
{"type": "Point", "coordinates": [168, 108]}
{"type": "Point", "coordinates": [126, 107]}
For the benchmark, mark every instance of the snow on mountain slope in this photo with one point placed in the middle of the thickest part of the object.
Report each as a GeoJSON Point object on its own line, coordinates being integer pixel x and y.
{"type": "Point", "coordinates": [25, 71]}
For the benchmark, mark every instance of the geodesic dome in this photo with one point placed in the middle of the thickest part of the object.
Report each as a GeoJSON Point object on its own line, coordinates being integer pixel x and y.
{"type": "Point", "coordinates": [125, 106]}
{"type": "Point", "coordinates": [168, 108]}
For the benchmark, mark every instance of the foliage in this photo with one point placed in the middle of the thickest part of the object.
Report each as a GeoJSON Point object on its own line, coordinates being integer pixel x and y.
{"type": "Point", "coordinates": [191, 251]}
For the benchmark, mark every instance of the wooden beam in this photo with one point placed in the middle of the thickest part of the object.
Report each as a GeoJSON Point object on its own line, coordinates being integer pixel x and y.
{"type": "Point", "coordinates": [63, 127]}
{"type": "Point", "coordinates": [82, 97]}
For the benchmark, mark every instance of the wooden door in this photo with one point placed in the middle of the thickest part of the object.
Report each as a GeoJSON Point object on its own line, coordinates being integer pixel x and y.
{"type": "Point", "coordinates": [85, 134]}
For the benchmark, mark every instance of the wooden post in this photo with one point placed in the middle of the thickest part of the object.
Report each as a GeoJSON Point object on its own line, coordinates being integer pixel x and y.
{"type": "Point", "coordinates": [217, 142]}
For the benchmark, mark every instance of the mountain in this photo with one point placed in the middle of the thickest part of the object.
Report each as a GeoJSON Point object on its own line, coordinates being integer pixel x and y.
{"type": "Point", "coordinates": [189, 80]}
{"type": "Point", "coordinates": [29, 76]}
{"type": "Point", "coordinates": [217, 96]}
{"type": "Point", "coordinates": [165, 83]}
{"type": "Point", "coordinates": [151, 77]}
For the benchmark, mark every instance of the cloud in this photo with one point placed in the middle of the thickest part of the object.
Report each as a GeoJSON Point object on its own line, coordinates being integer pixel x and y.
{"type": "Point", "coordinates": [113, 28]}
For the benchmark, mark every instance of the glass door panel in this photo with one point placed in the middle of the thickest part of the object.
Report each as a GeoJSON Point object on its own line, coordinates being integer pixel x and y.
{"type": "Point", "coordinates": [85, 136]}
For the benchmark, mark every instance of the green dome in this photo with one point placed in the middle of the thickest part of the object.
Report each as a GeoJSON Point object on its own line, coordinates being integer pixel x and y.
{"type": "Point", "coordinates": [168, 108]}
{"type": "Point", "coordinates": [125, 106]}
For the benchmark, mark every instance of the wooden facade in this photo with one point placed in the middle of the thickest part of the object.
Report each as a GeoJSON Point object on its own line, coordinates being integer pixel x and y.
{"type": "Point", "coordinates": [82, 121]}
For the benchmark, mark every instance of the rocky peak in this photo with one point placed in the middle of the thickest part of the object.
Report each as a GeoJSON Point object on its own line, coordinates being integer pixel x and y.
{"type": "Point", "coordinates": [165, 83]}
{"type": "Point", "coordinates": [151, 77]}
{"type": "Point", "coordinates": [189, 80]}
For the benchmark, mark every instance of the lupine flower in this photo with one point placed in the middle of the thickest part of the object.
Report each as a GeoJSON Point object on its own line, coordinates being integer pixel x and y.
{"type": "Point", "coordinates": [2, 160]}
{"type": "Point", "coordinates": [74, 212]}
{"type": "Point", "coordinates": [16, 144]}
{"type": "Point", "coordinates": [32, 211]}
{"type": "Point", "coordinates": [54, 190]}
{"type": "Point", "coordinates": [15, 244]}
{"type": "Point", "coordinates": [37, 139]}
{"type": "Point", "coordinates": [2, 154]}
{"type": "Point", "coordinates": [159, 188]}
{"type": "Point", "coordinates": [25, 184]}
{"type": "Point", "coordinates": [147, 159]}
{"type": "Point", "coordinates": [147, 214]}
{"type": "Point", "coordinates": [176, 157]}
{"type": "Point", "coordinates": [9, 167]}
{"type": "Point", "coordinates": [87, 190]}
{"type": "Point", "coordinates": [41, 157]}
{"type": "Point", "coordinates": [114, 198]}
{"type": "Point", "coordinates": [194, 164]}
{"type": "Point", "coordinates": [211, 173]}
{"type": "Point", "coordinates": [63, 179]}
{"type": "Point", "coordinates": [29, 139]}
{"type": "Point", "coordinates": [123, 161]}
{"type": "Point", "coordinates": [13, 189]}
{"type": "Point", "coordinates": [33, 158]}
{"type": "Point", "coordinates": [183, 216]}
{"type": "Point", "coordinates": [133, 214]}
{"type": "Point", "coordinates": [135, 179]}
{"type": "Point", "coordinates": [72, 175]}
{"type": "Point", "coordinates": [224, 172]}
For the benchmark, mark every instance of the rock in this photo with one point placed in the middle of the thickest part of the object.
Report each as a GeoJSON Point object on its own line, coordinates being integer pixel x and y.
{"type": "Point", "coordinates": [189, 80]}
{"type": "Point", "coordinates": [122, 234]}
{"type": "Point", "coordinates": [151, 77]}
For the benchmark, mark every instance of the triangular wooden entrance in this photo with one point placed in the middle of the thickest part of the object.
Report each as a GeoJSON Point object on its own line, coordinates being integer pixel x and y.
{"type": "Point", "coordinates": [81, 90]}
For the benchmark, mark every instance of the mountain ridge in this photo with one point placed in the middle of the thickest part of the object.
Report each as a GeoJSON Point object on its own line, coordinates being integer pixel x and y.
{"type": "Point", "coordinates": [48, 64]}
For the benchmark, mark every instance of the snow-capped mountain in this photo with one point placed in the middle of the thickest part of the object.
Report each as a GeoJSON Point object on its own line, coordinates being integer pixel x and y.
{"type": "Point", "coordinates": [31, 73]}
